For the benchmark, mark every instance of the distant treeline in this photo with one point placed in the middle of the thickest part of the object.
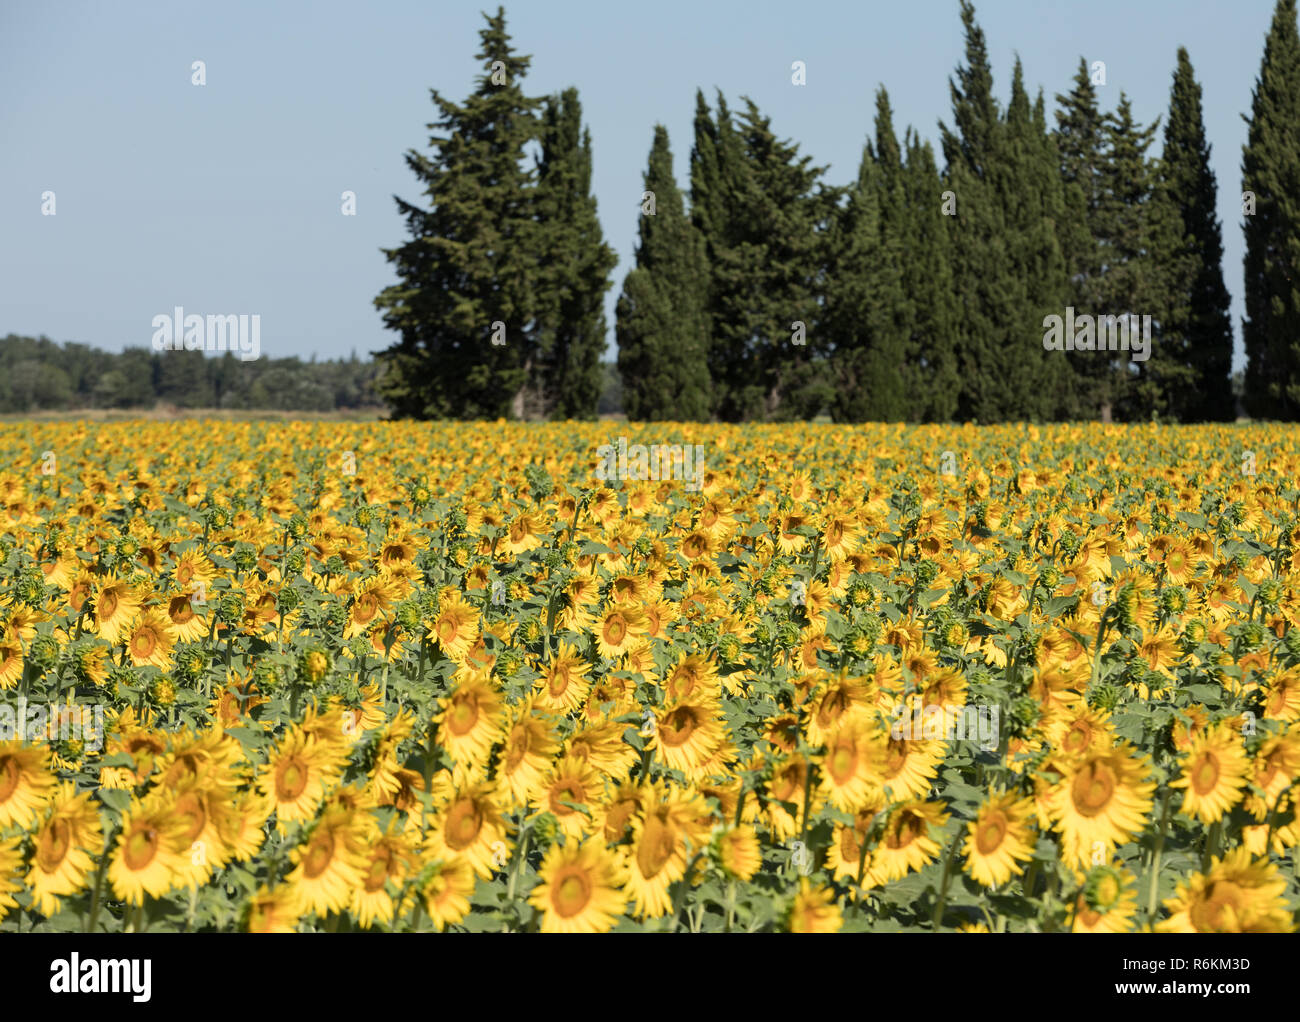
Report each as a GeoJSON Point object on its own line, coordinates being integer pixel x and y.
{"type": "Point", "coordinates": [37, 374]}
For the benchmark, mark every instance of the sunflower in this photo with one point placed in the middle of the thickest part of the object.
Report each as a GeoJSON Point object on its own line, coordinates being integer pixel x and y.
{"type": "Point", "coordinates": [851, 771]}
{"type": "Point", "coordinates": [814, 910]}
{"type": "Point", "coordinates": [738, 852]}
{"type": "Point", "coordinates": [446, 892]}
{"type": "Point", "coordinates": [687, 735]}
{"type": "Point", "coordinates": [1237, 895]}
{"type": "Point", "coordinates": [469, 828]}
{"type": "Point", "coordinates": [1102, 799]}
{"type": "Point", "coordinates": [657, 855]}
{"type": "Point", "coordinates": [847, 857]}
{"type": "Point", "coordinates": [999, 839]}
{"type": "Point", "coordinates": [272, 911]}
{"type": "Point", "coordinates": [150, 639]}
{"type": "Point", "coordinates": [115, 604]}
{"type": "Point", "coordinates": [564, 686]}
{"type": "Point", "coordinates": [572, 783]}
{"type": "Point", "coordinates": [1215, 771]}
{"type": "Point", "coordinates": [579, 889]}
{"type": "Point", "coordinates": [207, 818]}
{"type": "Point", "coordinates": [330, 864]}
{"type": "Point", "coordinates": [11, 659]}
{"type": "Point", "coordinates": [471, 719]}
{"type": "Point", "coordinates": [64, 843]}
{"type": "Point", "coordinates": [151, 852]}
{"type": "Point", "coordinates": [456, 628]}
{"type": "Point", "coordinates": [1107, 902]}
{"type": "Point", "coordinates": [908, 842]}
{"type": "Point", "coordinates": [25, 783]}
{"type": "Point", "coordinates": [530, 745]}
{"type": "Point", "coordinates": [188, 626]}
{"type": "Point", "coordinates": [617, 628]}
{"type": "Point", "coordinates": [297, 776]}
{"type": "Point", "coordinates": [1282, 699]}
{"type": "Point", "coordinates": [391, 857]}
{"type": "Point", "coordinates": [910, 766]}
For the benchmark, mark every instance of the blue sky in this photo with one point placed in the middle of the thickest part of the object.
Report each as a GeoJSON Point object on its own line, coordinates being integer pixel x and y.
{"type": "Point", "coordinates": [225, 198]}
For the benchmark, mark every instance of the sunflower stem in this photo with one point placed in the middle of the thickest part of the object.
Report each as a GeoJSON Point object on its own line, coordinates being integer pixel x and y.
{"type": "Point", "coordinates": [943, 883]}
{"type": "Point", "coordinates": [1154, 872]}
{"type": "Point", "coordinates": [99, 885]}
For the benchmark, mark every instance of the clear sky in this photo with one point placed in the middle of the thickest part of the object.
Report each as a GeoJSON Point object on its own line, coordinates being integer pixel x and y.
{"type": "Point", "coordinates": [225, 198]}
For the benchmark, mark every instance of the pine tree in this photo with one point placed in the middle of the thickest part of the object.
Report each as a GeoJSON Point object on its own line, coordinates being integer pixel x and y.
{"type": "Point", "coordinates": [471, 261]}
{"type": "Point", "coordinates": [1270, 170]}
{"type": "Point", "coordinates": [753, 197]}
{"type": "Point", "coordinates": [662, 322]}
{"type": "Point", "coordinates": [575, 272]}
{"type": "Point", "coordinates": [1198, 317]}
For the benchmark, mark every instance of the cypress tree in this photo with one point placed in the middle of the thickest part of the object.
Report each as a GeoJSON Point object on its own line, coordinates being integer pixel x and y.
{"type": "Point", "coordinates": [1270, 170]}
{"type": "Point", "coordinates": [864, 306]}
{"type": "Point", "coordinates": [662, 323]}
{"type": "Point", "coordinates": [928, 280]}
{"type": "Point", "coordinates": [999, 348]}
{"type": "Point", "coordinates": [471, 259]}
{"type": "Point", "coordinates": [1081, 149]}
{"type": "Point", "coordinates": [1198, 315]}
{"type": "Point", "coordinates": [575, 273]}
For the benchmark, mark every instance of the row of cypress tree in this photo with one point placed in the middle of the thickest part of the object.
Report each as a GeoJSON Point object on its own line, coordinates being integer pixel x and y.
{"type": "Point", "coordinates": [915, 293]}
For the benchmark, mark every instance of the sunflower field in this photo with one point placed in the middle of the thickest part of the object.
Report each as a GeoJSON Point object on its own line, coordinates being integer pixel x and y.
{"type": "Point", "coordinates": [413, 677]}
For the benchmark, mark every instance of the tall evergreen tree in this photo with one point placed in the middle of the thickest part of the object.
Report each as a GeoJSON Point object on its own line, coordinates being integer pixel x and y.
{"type": "Point", "coordinates": [755, 201]}
{"type": "Point", "coordinates": [928, 280]}
{"type": "Point", "coordinates": [1270, 169]}
{"type": "Point", "coordinates": [575, 273]}
{"type": "Point", "coordinates": [471, 261]}
{"type": "Point", "coordinates": [1032, 194]}
{"type": "Point", "coordinates": [1004, 371]}
{"type": "Point", "coordinates": [662, 321]}
{"type": "Point", "coordinates": [1140, 240]}
{"type": "Point", "coordinates": [866, 310]}
{"type": "Point", "coordinates": [1080, 139]}
{"type": "Point", "coordinates": [1199, 312]}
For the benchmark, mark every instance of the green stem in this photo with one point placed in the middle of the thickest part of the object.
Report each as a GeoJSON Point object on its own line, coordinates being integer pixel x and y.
{"type": "Point", "coordinates": [1154, 872]}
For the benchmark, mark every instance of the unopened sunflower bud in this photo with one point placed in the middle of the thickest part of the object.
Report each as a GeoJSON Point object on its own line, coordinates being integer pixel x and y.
{"type": "Point", "coordinates": [314, 664]}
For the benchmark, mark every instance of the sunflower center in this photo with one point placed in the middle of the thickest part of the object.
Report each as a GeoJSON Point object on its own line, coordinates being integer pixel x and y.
{"type": "Point", "coordinates": [615, 629]}
{"type": "Point", "coordinates": [1093, 789]}
{"type": "Point", "coordinates": [568, 790]}
{"type": "Point", "coordinates": [53, 845]}
{"type": "Point", "coordinates": [678, 726]}
{"type": "Point", "coordinates": [843, 762]}
{"type": "Point", "coordinates": [464, 714]}
{"type": "Point", "coordinates": [144, 642]}
{"type": "Point", "coordinates": [319, 855]}
{"type": "Point", "coordinates": [446, 630]}
{"type": "Point", "coordinates": [655, 848]}
{"type": "Point", "coordinates": [290, 779]}
{"type": "Point", "coordinates": [908, 828]}
{"type": "Point", "coordinates": [559, 682]}
{"type": "Point", "coordinates": [1205, 775]}
{"type": "Point", "coordinates": [9, 777]}
{"type": "Point", "coordinates": [1220, 899]}
{"type": "Point", "coordinates": [463, 825]}
{"type": "Point", "coordinates": [571, 893]}
{"type": "Point", "coordinates": [190, 809]}
{"type": "Point", "coordinates": [378, 872]}
{"type": "Point", "coordinates": [141, 847]}
{"type": "Point", "coordinates": [107, 604]}
{"type": "Point", "coordinates": [990, 833]}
